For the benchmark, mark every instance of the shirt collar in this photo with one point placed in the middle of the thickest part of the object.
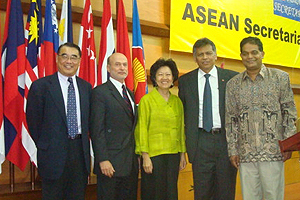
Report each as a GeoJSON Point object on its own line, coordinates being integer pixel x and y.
{"type": "Point", "coordinates": [213, 72]}
{"type": "Point", "coordinates": [262, 72]}
{"type": "Point", "coordinates": [65, 78]}
{"type": "Point", "coordinates": [116, 83]}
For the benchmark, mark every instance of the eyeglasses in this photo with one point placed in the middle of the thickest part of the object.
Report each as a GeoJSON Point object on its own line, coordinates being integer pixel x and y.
{"type": "Point", "coordinates": [65, 57]}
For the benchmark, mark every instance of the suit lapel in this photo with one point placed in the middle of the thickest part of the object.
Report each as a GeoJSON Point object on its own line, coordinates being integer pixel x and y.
{"type": "Point", "coordinates": [56, 93]}
{"type": "Point", "coordinates": [194, 91]}
{"type": "Point", "coordinates": [115, 93]}
{"type": "Point", "coordinates": [83, 94]}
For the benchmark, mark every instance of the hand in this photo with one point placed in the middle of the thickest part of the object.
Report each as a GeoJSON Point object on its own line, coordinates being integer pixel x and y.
{"type": "Point", "coordinates": [147, 163]}
{"type": "Point", "coordinates": [286, 155]}
{"type": "Point", "coordinates": [106, 168]}
{"type": "Point", "coordinates": [182, 163]}
{"type": "Point", "coordinates": [235, 161]}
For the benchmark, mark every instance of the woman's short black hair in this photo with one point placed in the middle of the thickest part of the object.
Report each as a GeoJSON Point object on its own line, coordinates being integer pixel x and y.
{"type": "Point", "coordinates": [162, 63]}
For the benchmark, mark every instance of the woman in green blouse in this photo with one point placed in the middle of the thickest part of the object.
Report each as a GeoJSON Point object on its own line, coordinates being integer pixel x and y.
{"type": "Point", "coordinates": [159, 135]}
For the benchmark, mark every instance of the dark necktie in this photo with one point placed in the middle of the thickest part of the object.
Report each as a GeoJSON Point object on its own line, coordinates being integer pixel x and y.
{"type": "Point", "coordinates": [71, 111]}
{"type": "Point", "coordinates": [207, 106]}
{"type": "Point", "coordinates": [127, 100]}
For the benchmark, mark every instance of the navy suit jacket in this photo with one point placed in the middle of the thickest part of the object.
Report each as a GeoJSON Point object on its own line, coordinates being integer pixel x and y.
{"type": "Point", "coordinates": [112, 129]}
{"type": "Point", "coordinates": [47, 123]}
{"type": "Point", "coordinates": [189, 95]}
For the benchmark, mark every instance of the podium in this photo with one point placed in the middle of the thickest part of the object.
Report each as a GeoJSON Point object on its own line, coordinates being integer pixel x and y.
{"type": "Point", "coordinates": [290, 144]}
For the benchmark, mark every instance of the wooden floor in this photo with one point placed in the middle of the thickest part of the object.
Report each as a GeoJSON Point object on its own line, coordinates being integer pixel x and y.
{"type": "Point", "coordinates": [292, 192]}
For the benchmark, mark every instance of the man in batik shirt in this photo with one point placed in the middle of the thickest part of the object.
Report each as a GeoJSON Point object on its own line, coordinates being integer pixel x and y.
{"type": "Point", "coordinates": [260, 110]}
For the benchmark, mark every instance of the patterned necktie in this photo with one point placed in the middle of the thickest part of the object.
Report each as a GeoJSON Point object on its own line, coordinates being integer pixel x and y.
{"type": "Point", "coordinates": [71, 111]}
{"type": "Point", "coordinates": [127, 100]}
{"type": "Point", "coordinates": [207, 106]}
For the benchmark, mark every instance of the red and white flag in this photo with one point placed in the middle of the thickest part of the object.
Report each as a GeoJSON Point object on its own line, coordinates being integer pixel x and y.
{"type": "Point", "coordinates": [123, 42]}
{"type": "Point", "coordinates": [87, 69]}
{"type": "Point", "coordinates": [107, 43]}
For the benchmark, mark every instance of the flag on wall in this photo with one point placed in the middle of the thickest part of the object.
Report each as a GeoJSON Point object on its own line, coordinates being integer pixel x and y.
{"type": "Point", "coordinates": [107, 43]}
{"type": "Point", "coordinates": [138, 58]}
{"type": "Point", "coordinates": [87, 69]}
{"type": "Point", "coordinates": [34, 65]}
{"type": "Point", "coordinates": [50, 37]}
{"type": "Point", "coordinates": [65, 24]}
{"type": "Point", "coordinates": [13, 55]}
{"type": "Point", "coordinates": [2, 145]}
{"type": "Point", "coordinates": [123, 42]}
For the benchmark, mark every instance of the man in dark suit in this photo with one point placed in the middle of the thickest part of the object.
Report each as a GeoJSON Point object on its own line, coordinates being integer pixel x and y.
{"type": "Point", "coordinates": [112, 122]}
{"type": "Point", "coordinates": [202, 92]}
{"type": "Point", "coordinates": [57, 115]}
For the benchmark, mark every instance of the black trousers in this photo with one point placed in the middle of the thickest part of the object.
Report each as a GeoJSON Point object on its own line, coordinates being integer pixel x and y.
{"type": "Point", "coordinates": [214, 176]}
{"type": "Point", "coordinates": [118, 188]}
{"type": "Point", "coordinates": [162, 183]}
{"type": "Point", "coordinates": [72, 184]}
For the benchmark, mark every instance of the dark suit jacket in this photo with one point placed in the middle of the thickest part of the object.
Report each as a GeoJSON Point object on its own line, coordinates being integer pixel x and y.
{"type": "Point", "coordinates": [47, 123]}
{"type": "Point", "coordinates": [189, 95]}
{"type": "Point", "coordinates": [112, 129]}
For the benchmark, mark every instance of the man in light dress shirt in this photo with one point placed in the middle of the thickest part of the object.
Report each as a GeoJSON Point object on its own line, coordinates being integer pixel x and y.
{"type": "Point", "coordinates": [214, 176]}
{"type": "Point", "coordinates": [112, 124]}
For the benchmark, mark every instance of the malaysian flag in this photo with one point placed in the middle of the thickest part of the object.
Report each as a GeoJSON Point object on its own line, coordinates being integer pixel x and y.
{"type": "Point", "coordinates": [34, 54]}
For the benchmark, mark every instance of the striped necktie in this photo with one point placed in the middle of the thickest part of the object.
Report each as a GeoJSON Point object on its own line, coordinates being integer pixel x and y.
{"type": "Point", "coordinates": [127, 100]}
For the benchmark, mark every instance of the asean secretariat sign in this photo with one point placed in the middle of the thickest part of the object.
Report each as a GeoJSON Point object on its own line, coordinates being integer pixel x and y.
{"type": "Point", "coordinates": [227, 22]}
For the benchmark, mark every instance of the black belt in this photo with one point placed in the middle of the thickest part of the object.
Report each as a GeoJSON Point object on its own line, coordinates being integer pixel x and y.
{"type": "Point", "coordinates": [213, 131]}
{"type": "Point", "coordinates": [77, 136]}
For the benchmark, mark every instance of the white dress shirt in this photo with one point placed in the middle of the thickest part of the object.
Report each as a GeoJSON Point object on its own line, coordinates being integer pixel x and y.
{"type": "Point", "coordinates": [213, 81]}
{"type": "Point", "coordinates": [64, 84]}
{"type": "Point", "coordinates": [118, 85]}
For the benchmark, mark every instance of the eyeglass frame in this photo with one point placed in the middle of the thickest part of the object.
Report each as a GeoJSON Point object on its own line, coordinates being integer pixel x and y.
{"type": "Point", "coordinates": [72, 58]}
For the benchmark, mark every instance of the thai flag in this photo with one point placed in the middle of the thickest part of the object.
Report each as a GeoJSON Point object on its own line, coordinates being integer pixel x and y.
{"type": "Point", "coordinates": [13, 55]}
{"type": "Point", "coordinates": [138, 58]}
{"type": "Point", "coordinates": [65, 27]}
{"type": "Point", "coordinates": [50, 37]}
{"type": "Point", "coordinates": [2, 144]}
{"type": "Point", "coordinates": [107, 43]}
{"type": "Point", "coordinates": [87, 69]}
{"type": "Point", "coordinates": [123, 42]}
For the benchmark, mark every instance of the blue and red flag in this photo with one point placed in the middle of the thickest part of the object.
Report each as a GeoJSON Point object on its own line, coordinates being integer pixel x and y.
{"type": "Point", "coordinates": [107, 43]}
{"type": "Point", "coordinates": [123, 42]}
{"type": "Point", "coordinates": [2, 144]}
{"type": "Point", "coordinates": [13, 55]}
{"type": "Point", "coordinates": [50, 37]}
{"type": "Point", "coordinates": [138, 58]}
{"type": "Point", "coordinates": [65, 27]}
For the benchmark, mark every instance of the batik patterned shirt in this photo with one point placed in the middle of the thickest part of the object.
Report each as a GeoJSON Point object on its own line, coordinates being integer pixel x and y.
{"type": "Point", "coordinates": [258, 114]}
